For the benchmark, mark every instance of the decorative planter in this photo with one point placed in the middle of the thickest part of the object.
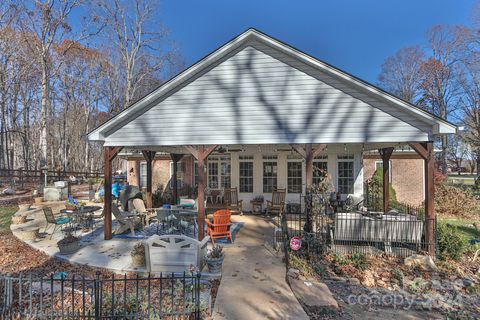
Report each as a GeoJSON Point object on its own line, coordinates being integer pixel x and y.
{"type": "Point", "coordinates": [138, 260]}
{"type": "Point", "coordinates": [19, 219]}
{"type": "Point", "coordinates": [28, 233]}
{"type": "Point", "coordinates": [68, 247]}
{"type": "Point", "coordinates": [214, 264]}
{"type": "Point", "coordinates": [38, 200]}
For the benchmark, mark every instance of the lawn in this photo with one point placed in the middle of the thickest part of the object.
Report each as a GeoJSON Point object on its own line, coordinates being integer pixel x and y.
{"type": "Point", "coordinates": [6, 214]}
{"type": "Point", "coordinates": [465, 226]}
{"type": "Point", "coordinates": [465, 179]}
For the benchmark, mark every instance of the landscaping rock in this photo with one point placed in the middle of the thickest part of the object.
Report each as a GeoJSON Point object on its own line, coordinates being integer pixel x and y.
{"type": "Point", "coordinates": [353, 281]}
{"type": "Point", "coordinates": [293, 273]}
{"type": "Point", "coordinates": [8, 191]}
{"type": "Point", "coordinates": [369, 279]}
{"type": "Point", "coordinates": [313, 294]}
{"type": "Point", "coordinates": [424, 262]}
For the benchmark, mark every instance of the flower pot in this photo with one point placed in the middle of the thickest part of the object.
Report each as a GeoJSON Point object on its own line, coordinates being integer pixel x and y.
{"type": "Point", "coordinates": [68, 247]}
{"type": "Point", "coordinates": [214, 264]}
{"type": "Point", "coordinates": [38, 200]}
{"type": "Point", "coordinates": [138, 260]}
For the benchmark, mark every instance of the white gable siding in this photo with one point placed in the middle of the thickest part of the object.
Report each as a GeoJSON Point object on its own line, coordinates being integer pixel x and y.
{"type": "Point", "coordinates": [254, 98]}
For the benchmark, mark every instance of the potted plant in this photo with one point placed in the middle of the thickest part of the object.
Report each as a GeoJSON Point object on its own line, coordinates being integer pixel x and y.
{"type": "Point", "coordinates": [69, 244]}
{"type": "Point", "coordinates": [258, 199]}
{"type": "Point", "coordinates": [214, 259]}
{"type": "Point", "coordinates": [138, 255]}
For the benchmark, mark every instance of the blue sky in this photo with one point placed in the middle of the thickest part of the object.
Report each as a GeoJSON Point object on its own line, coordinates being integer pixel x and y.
{"type": "Point", "coordinates": [354, 35]}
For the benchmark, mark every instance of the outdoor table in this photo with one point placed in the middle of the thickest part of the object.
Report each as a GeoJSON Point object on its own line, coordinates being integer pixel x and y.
{"type": "Point", "coordinates": [81, 216]}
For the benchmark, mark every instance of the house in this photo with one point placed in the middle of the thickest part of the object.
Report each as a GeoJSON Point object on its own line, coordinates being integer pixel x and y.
{"type": "Point", "coordinates": [257, 114]}
{"type": "Point", "coordinates": [406, 174]}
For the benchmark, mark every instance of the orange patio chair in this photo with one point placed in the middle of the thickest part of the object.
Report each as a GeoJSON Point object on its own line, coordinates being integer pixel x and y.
{"type": "Point", "coordinates": [220, 228]}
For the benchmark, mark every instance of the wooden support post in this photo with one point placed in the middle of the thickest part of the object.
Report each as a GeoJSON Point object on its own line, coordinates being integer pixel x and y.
{"type": "Point", "coordinates": [386, 153]}
{"type": "Point", "coordinates": [425, 150]}
{"type": "Point", "coordinates": [149, 157]}
{"type": "Point", "coordinates": [175, 157]}
{"type": "Point", "coordinates": [109, 154]}
{"type": "Point", "coordinates": [201, 153]}
{"type": "Point", "coordinates": [309, 153]}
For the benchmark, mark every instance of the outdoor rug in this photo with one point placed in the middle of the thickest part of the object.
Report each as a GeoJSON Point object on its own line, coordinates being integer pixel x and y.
{"type": "Point", "coordinates": [165, 229]}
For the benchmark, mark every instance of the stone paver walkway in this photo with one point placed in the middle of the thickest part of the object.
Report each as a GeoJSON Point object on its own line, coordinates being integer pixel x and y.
{"type": "Point", "coordinates": [253, 282]}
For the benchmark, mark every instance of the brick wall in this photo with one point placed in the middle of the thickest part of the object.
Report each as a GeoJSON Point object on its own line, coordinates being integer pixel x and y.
{"type": "Point", "coordinates": [160, 171]}
{"type": "Point", "coordinates": [407, 177]}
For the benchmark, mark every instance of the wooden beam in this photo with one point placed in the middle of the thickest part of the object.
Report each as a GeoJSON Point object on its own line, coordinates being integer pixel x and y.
{"type": "Point", "coordinates": [201, 153]}
{"type": "Point", "coordinates": [149, 157]}
{"type": "Point", "coordinates": [386, 153]}
{"type": "Point", "coordinates": [426, 151]}
{"type": "Point", "coordinates": [421, 148]}
{"type": "Point", "coordinates": [430, 217]}
{"type": "Point", "coordinates": [109, 154]}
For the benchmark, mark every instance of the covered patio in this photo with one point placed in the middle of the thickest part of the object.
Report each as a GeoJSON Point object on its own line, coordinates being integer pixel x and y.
{"type": "Point", "coordinates": [258, 99]}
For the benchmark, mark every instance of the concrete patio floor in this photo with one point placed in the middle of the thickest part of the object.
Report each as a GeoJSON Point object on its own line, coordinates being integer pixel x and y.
{"type": "Point", "coordinates": [95, 251]}
{"type": "Point", "coordinates": [253, 282]}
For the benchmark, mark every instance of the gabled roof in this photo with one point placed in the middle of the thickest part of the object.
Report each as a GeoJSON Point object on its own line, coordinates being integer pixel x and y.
{"type": "Point", "coordinates": [253, 36]}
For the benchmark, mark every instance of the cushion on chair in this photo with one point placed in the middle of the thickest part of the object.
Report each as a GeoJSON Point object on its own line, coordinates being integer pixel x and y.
{"type": "Point", "coordinates": [62, 220]}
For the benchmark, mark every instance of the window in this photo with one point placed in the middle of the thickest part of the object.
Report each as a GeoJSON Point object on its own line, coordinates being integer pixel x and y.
{"type": "Point", "coordinates": [294, 177]}
{"type": "Point", "coordinates": [269, 173]}
{"type": "Point", "coordinates": [320, 170]}
{"type": "Point", "coordinates": [180, 172]}
{"type": "Point", "coordinates": [345, 174]}
{"type": "Point", "coordinates": [212, 175]}
{"type": "Point", "coordinates": [143, 174]}
{"type": "Point", "coordinates": [379, 165]}
{"type": "Point", "coordinates": [246, 174]}
{"type": "Point", "coordinates": [218, 173]}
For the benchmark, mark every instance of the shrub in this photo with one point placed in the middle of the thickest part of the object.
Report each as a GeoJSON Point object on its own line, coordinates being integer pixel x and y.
{"type": "Point", "coordinates": [359, 261]}
{"type": "Point", "coordinates": [375, 187]}
{"type": "Point", "coordinates": [451, 242]}
{"type": "Point", "coordinates": [453, 201]}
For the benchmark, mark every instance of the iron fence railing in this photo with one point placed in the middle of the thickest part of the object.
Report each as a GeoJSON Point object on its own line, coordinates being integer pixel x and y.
{"type": "Point", "coordinates": [172, 296]}
{"type": "Point", "coordinates": [400, 232]}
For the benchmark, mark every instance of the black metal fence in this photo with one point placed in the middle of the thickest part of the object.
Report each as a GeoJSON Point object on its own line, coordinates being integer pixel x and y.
{"type": "Point", "coordinates": [362, 228]}
{"type": "Point", "coordinates": [171, 296]}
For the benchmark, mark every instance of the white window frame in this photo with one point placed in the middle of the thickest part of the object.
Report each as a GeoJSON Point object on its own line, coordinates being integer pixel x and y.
{"type": "Point", "coordinates": [143, 174]}
{"type": "Point", "coordinates": [246, 159]}
{"type": "Point", "coordinates": [346, 158]}
{"type": "Point", "coordinates": [269, 159]}
{"type": "Point", "coordinates": [295, 160]}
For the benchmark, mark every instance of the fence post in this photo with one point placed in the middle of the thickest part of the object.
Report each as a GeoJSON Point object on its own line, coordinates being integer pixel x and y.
{"type": "Point", "coordinates": [197, 294]}
{"type": "Point", "coordinates": [96, 292]}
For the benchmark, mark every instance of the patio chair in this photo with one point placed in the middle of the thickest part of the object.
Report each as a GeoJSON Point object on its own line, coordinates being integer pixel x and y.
{"type": "Point", "coordinates": [57, 222]}
{"type": "Point", "coordinates": [139, 206]}
{"type": "Point", "coordinates": [220, 195]}
{"type": "Point", "coordinates": [208, 195]}
{"type": "Point", "coordinates": [277, 205]}
{"type": "Point", "coordinates": [126, 221]}
{"type": "Point", "coordinates": [220, 227]}
{"type": "Point", "coordinates": [232, 202]}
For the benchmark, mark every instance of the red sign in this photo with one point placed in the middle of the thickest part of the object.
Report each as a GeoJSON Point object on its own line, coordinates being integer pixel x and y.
{"type": "Point", "coordinates": [295, 243]}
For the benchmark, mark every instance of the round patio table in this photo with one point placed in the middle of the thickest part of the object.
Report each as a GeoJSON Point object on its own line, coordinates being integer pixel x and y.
{"type": "Point", "coordinates": [82, 216]}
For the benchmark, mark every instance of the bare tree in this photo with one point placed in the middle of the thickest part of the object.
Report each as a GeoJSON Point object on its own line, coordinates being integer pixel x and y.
{"type": "Point", "coordinates": [139, 42]}
{"type": "Point", "coordinates": [400, 73]}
